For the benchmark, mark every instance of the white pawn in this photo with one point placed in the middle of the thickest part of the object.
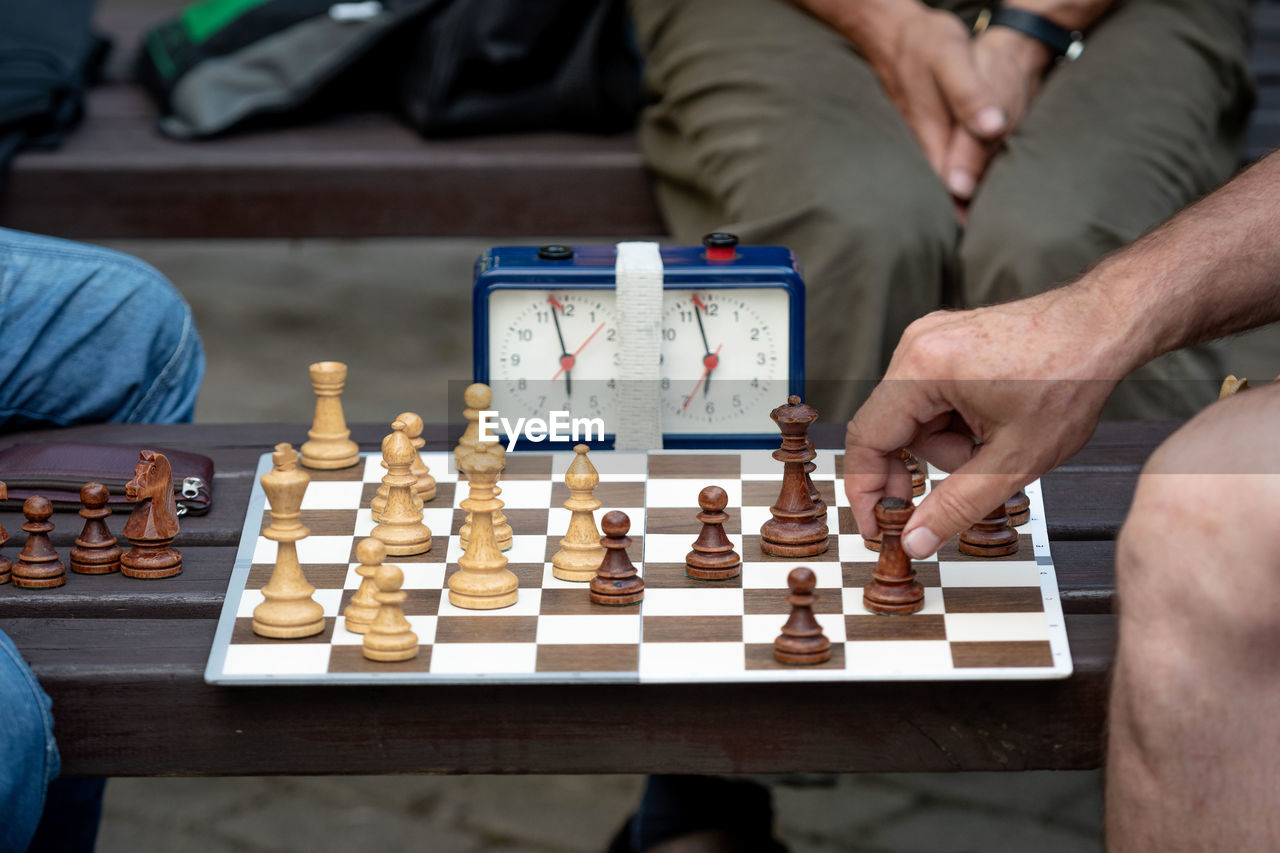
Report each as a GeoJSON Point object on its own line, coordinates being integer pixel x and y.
{"type": "Point", "coordinates": [580, 551]}
{"type": "Point", "coordinates": [478, 396]}
{"type": "Point", "coordinates": [401, 528]}
{"type": "Point", "coordinates": [364, 604]}
{"type": "Point", "coordinates": [390, 636]}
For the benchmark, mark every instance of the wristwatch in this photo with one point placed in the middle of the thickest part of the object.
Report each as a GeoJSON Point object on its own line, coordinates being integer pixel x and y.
{"type": "Point", "coordinates": [1064, 43]}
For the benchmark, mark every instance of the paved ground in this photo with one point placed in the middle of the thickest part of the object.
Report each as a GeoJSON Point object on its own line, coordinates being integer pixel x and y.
{"type": "Point", "coordinates": [398, 312]}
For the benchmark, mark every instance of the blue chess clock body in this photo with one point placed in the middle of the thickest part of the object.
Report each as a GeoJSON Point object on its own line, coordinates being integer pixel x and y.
{"type": "Point", "coordinates": [554, 331]}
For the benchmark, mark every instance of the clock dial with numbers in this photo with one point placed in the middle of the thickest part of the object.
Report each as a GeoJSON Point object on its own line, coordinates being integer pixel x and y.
{"type": "Point", "coordinates": [724, 358]}
{"type": "Point", "coordinates": [554, 350]}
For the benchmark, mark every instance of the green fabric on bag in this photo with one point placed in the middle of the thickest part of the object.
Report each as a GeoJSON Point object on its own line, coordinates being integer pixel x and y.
{"type": "Point", "coordinates": [201, 20]}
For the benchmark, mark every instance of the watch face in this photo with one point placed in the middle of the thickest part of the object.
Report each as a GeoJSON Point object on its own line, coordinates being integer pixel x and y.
{"type": "Point", "coordinates": [724, 356]}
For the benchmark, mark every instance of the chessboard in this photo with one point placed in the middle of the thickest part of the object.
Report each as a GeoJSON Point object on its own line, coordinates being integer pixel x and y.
{"type": "Point", "coordinates": [983, 619]}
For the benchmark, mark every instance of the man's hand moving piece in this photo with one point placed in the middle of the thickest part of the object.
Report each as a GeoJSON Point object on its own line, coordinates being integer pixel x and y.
{"type": "Point", "coordinates": [1000, 395]}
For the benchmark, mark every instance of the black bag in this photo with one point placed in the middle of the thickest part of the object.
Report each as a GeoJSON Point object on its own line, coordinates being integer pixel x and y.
{"type": "Point", "coordinates": [492, 66]}
{"type": "Point", "coordinates": [448, 66]}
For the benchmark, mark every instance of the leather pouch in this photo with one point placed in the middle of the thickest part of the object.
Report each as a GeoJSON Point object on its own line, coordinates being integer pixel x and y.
{"type": "Point", "coordinates": [57, 470]}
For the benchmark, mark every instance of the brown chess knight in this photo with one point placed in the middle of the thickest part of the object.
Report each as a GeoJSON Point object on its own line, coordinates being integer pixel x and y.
{"type": "Point", "coordinates": [154, 523]}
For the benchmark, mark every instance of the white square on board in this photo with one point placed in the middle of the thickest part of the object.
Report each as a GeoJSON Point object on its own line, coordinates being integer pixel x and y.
{"type": "Point", "coordinates": [986, 627]}
{"type": "Point", "coordinates": [692, 602]}
{"type": "Point", "coordinates": [557, 630]}
{"type": "Point", "coordinates": [484, 658]}
{"type": "Point", "coordinates": [902, 659]}
{"type": "Point", "coordinates": [680, 661]}
{"type": "Point", "coordinates": [664, 492]}
{"type": "Point", "coordinates": [992, 573]}
{"type": "Point", "coordinates": [285, 660]}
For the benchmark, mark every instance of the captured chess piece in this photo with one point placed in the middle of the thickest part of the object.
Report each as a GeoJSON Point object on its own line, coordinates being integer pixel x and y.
{"type": "Point", "coordinates": [424, 488]}
{"type": "Point", "coordinates": [363, 606]}
{"type": "Point", "coordinates": [329, 445]}
{"type": "Point", "coordinates": [96, 551]}
{"type": "Point", "coordinates": [153, 524]}
{"type": "Point", "coordinates": [991, 537]}
{"type": "Point", "coordinates": [390, 637]}
{"type": "Point", "coordinates": [502, 531]}
{"type": "Point", "coordinates": [38, 566]}
{"type": "Point", "coordinates": [894, 589]}
{"type": "Point", "coordinates": [1019, 508]}
{"type": "Point", "coordinates": [796, 529]}
{"type": "Point", "coordinates": [483, 581]}
{"type": "Point", "coordinates": [713, 557]}
{"type": "Point", "coordinates": [6, 565]}
{"type": "Point", "coordinates": [478, 397]}
{"type": "Point", "coordinates": [802, 641]}
{"type": "Point", "coordinates": [287, 611]}
{"type": "Point", "coordinates": [400, 527]}
{"type": "Point", "coordinates": [616, 582]}
{"type": "Point", "coordinates": [916, 470]}
{"type": "Point", "coordinates": [580, 551]}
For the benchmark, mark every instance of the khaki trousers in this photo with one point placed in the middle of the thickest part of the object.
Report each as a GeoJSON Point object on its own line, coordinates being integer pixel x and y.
{"type": "Point", "coordinates": [765, 122]}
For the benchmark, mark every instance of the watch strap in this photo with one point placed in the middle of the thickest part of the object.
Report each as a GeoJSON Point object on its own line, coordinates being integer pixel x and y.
{"type": "Point", "coordinates": [1060, 40]}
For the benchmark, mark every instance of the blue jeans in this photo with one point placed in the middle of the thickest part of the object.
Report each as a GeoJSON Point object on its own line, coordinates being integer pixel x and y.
{"type": "Point", "coordinates": [89, 336]}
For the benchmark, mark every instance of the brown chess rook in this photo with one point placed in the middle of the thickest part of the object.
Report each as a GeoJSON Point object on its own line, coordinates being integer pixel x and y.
{"type": "Point", "coordinates": [894, 589]}
{"type": "Point", "coordinates": [96, 551]}
{"type": "Point", "coordinates": [991, 537]}
{"type": "Point", "coordinates": [1019, 508]}
{"type": "Point", "coordinates": [616, 582]}
{"type": "Point", "coordinates": [6, 565]}
{"type": "Point", "coordinates": [802, 640]}
{"type": "Point", "coordinates": [796, 529]}
{"type": "Point", "coordinates": [153, 525]}
{"type": "Point", "coordinates": [713, 557]}
{"type": "Point", "coordinates": [916, 470]}
{"type": "Point", "coordinates": [38, 566]}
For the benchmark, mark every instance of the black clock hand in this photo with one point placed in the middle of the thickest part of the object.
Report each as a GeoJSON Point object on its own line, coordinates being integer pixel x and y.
{"type": "Point", "coordinates": [564, 350]}
{"type": "Point", "coordinates": [706, 347]}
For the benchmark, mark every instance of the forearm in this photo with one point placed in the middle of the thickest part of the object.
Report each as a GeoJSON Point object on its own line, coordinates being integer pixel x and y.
{"type": "Point", "coordinates": [1212, 270]}
{"type": "Point", "coordinates": [1072, 14]}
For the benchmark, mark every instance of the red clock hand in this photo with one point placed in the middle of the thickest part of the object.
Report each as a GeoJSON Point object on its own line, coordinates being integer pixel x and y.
{"type": "Point", "coordinates": [567, 361]}
{"type": "Point", "coordinates": [709, 363]}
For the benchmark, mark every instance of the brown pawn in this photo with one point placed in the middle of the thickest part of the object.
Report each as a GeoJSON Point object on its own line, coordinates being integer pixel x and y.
{"type": "Point", "coordinates": [616, 582]}
{"type": "Point", "coordinates": [1019, 508]}
{"type": "Point", "coordinates": [894, 589]}
{"type": "Point", "coordinates": [802, 640]}
{"type": "Point", "coordinates": [796, 529]}
{"type": "Point", "coordinates": [153, 524]}
{"type": "Point", "coordinates": [991, 537]}
{"type": "Point", "coordinates": [916, 470]}
{"type": "Point", "coordinates": [713, 557]}
{"type": "Point", "coordinates": [5, 563]}
{"type": "Point", "coordinates": [38, 565]}
{"type": "Point", "coordinates": [96, 551]}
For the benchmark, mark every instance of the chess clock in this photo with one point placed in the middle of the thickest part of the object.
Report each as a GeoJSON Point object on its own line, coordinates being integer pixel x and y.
{"type": "Point", "coordinates": [550, 336]}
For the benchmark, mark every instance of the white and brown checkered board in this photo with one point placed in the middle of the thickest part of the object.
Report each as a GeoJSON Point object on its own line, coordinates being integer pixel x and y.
{"type": "Point", "coordinates": [983, 619]}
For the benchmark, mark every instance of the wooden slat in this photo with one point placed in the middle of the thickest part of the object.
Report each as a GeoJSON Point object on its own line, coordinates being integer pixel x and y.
{"type": "Point", "coordinates": [129, 700]}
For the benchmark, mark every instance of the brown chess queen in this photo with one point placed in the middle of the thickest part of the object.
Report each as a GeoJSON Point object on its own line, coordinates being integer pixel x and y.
{"type": "Point", "coordinates": [797, 529]}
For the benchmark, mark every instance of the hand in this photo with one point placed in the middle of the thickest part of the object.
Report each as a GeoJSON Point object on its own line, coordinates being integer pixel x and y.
{"type": "Point", "coordinates": [1011, 67]}
{"type": "Point", "coordinates": [997, 395]}
{"type": "Point", "coordinates": [926, 62]}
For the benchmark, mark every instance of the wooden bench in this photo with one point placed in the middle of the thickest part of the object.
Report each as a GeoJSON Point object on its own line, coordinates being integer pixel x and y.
{"type": "Point", "coordinates": [124, 661]}
{"type": "Point", "coordinates": [368, 176]}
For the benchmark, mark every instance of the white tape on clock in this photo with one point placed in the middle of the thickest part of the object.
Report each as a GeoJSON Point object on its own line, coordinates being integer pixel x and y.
{"type": "Point", "coordinates": [639, 287]}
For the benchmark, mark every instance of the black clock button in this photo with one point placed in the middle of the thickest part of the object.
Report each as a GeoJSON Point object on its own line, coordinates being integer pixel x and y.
{"type": "Point", "coordinates": [555, 253]}
{"type": "Point", "coordinates": [720, 240]}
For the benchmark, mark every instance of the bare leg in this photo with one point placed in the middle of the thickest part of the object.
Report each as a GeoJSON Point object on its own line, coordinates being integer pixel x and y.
{"type": "Point", "coordinates": [1193, 761]}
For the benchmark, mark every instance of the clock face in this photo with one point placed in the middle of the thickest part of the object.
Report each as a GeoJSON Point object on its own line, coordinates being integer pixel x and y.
{"type": "Point", "coordinates": [724, 356]}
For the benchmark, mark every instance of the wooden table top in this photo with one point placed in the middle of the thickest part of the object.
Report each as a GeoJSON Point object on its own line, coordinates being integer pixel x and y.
{"type": "Point", "coordinates": [124, 662]}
